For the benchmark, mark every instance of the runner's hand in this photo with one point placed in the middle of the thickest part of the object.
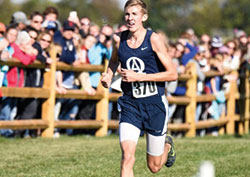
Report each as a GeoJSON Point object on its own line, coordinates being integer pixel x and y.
{"type": "Point", "coordinates": [129, 75]}
{"type": "Point", "coordinates": [106, 80]}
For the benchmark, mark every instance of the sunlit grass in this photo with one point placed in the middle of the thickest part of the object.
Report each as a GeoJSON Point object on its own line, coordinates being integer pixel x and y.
{"type": "Point", "coordinates": [100, 157]}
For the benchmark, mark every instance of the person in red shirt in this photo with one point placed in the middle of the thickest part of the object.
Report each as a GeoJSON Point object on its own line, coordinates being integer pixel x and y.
{"type": "Point", "coordinates": [26, 54]}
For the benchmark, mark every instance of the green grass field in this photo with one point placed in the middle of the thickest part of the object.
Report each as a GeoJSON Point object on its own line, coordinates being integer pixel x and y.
{"type": "Point", "coordinates": [83, 156]}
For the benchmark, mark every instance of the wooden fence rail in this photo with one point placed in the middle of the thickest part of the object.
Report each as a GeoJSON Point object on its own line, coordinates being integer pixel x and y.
{"type": "Point", "coordinates": [226, 123]}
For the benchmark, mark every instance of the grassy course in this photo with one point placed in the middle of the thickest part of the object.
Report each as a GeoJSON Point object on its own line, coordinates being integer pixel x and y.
{"type": "Point", "coordinates": [83, 156]}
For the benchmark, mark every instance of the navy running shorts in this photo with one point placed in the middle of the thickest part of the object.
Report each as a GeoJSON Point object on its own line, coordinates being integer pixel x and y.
{"type": "Point", "coordinates": [149, 114]}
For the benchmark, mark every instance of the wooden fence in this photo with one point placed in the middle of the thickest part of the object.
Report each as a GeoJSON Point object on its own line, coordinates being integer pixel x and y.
{"type": "Point", "coordinates": [227, 122]}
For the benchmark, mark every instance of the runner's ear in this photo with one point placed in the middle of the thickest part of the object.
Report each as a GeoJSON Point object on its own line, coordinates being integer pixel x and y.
{"type": "Point", "coordinates": [145, 17]}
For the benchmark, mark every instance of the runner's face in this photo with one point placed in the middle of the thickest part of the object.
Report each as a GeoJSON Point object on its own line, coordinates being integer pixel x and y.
{"type": "Point", "coordinates": [134, 17]}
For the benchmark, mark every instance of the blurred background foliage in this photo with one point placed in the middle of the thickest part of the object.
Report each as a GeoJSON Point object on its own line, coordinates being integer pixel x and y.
{"type": "Point", "coordinates": [171, 16]}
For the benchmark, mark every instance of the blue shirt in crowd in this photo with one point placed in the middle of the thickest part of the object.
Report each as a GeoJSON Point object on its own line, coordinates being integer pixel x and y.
{"type": "Point", "coordinates": [96, 56]}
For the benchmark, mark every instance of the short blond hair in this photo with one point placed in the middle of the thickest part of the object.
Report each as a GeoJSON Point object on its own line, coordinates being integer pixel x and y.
{"type": "Point", "coordinates": [141, 3]}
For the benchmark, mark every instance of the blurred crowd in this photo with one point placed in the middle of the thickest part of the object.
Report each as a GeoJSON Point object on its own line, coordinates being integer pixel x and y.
{"type": "Point", "coordinates": [208, 53]}
{"type": "Point", "coordinates": [83, 42]}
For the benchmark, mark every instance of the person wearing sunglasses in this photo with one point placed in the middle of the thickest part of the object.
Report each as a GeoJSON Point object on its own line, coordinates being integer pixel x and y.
{"type": "Point", "coordinates": [85, 25]}
{"type": "Point", "coordinates": [45, 40]}
{"type": "Point", "coordinates": [36, 20]}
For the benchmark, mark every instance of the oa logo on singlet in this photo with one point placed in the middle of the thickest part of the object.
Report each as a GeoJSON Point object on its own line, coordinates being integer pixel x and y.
{"type": "Point", "coordinates": [135, 64]}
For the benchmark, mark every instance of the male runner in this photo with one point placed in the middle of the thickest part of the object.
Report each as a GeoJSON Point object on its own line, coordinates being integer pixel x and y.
{"type": "Point", "coordinates": [145, 67]}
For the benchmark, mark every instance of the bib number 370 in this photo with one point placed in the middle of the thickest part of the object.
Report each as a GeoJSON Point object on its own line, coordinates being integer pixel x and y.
{"type": "Point", "coordinates": [144, 89]}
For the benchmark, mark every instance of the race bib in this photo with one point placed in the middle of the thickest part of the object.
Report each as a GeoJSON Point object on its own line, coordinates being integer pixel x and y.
{"type": "Point", "coordinates": [144, 89]}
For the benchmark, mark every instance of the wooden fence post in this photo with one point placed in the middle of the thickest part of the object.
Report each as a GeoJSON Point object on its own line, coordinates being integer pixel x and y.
{"type": "Point", "coordinates": [231, 107]}
{"type": "Point", "coordinates": [190, 111]}
{"type": "Point", "coordinates": [247, 103]}
{"type": "Point", "coordinates": [49, 104]}
{"type": "Point", "coordinates": [222, 128]}
{"type": "Point", "coordinates": [102, 108]}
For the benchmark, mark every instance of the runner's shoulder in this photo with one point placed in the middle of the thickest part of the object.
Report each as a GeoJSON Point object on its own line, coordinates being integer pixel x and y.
{"type": "Point", "coordinates": [156, 41]}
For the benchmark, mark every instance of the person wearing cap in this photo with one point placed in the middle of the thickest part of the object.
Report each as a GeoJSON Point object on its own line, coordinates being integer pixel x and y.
{"type": "Point", "coordinates": [52, 27]}
{"type": "Point", "coordinates": [216, 43]}
{"type": "Point", "coordinates": [20, 19]}
{"type": "Point", "coordinates": [65, 79]}
{"type": "Point", "coordinates": [65, 40]}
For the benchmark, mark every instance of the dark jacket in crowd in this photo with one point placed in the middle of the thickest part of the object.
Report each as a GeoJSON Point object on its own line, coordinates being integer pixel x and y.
{"type": "Point", "coordinates": [33, 77]}
{"type": "Point", "coordinates": [68, 50]}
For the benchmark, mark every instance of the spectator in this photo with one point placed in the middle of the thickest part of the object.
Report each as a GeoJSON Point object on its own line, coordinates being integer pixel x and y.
{"type": "Point", "coordinates": [121, 27]}
{"type": "Point", "coordinates": [205, 41]}
{"type": "Point", "coordinates": [190, 51]}
{"type": "Point", "coordinates": [82, 58]}
{"type": "Point", "coordinates": [178, 111]}
{"type": "Point", "coordinates": [23, 48]}
{"type": "Point", "coordinates": [51, 27]}
{"type": "Point", "coordinates": [66, 109]}
{"type": "Point", "coordinates": [94, 30]}
{"type": "Point", "coordinates": [8, 109]}
{"type": "Point", "coordinates": [29, 106]}
{"type": "Point", "coordinates": [192, 35]}
{"type": "Point", "coordinates": [65, 40]}
{"type": "Point", "coordinates": [20, 19]}
{"type": "Point", "coordinates": [230, 62]}
{"type": "Point", "coordinates": [51, 15]}
{"type": "Point", "coordinates": [45, 40]}
{"type": "Point", "coordinates": [85, 25]}
{"type": "Point", "coordinates": [75, 19]}
{"type": "Point", "coordinates": [179, 52]}
{"type": "Point", "coordinates": [201, 78]}
{"type": "Point", "coordinates": [2, 30]}
{"type": "Point", "coordinates": [100, 51]}
{"type": "Point", "coordinates": [4, 54]}
{"type": "Point", "coordinates": [216, 43]}
{"type": "Point", "coordinates": [171, 86]}
{"type": "Point", "coordinates": [3, 42]}
{"type": "Point", "coordinates": [33, 33]}
{"type": "Point", "coordinates": [24, 52]}
{"type": "Point", "coordinates": [7, 51]}
{"type": "Point", "coordinates": [231, 45]}
{"type": "Point", "coordinates": [36, 20]}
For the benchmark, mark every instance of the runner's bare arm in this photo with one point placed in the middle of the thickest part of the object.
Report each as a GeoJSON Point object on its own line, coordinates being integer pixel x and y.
{"type": "Point", "coordinates": [112, 67]}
